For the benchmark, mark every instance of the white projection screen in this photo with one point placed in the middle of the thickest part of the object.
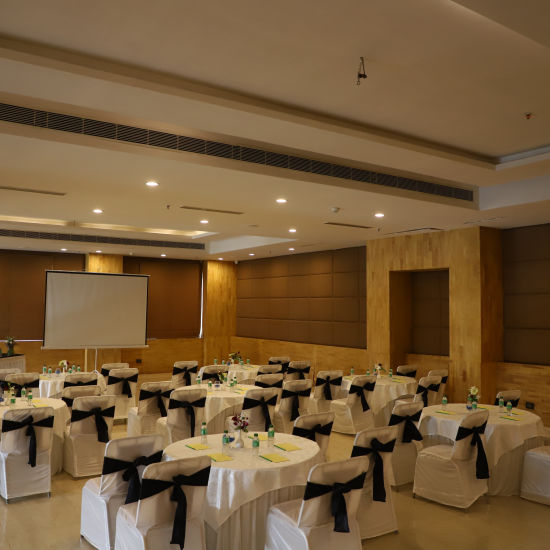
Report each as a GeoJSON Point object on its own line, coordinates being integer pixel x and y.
{"type": "Point", "coordinates": [95, 310]}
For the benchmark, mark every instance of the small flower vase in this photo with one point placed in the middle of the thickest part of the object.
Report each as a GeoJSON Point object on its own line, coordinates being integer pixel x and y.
{"type": "Point", "coordinates": [239, 443]}
{"type": "Point", "coordinates": [10, 350]}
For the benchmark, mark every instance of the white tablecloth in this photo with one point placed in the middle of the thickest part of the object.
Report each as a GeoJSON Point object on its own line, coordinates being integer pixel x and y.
{"type": "Point", "coordinates": [52, 384]}
{"type": "Point", "coordinates": [243, 482]}
{"type": "Point", "coordinates": [61, 416]}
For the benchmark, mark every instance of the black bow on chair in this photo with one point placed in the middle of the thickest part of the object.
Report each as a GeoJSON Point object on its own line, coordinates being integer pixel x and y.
{"type": "Point", "coordinates": [126, 389]}
{"type": "Point", "coordinates": [302, 371]}
{"type": "Point", "coordinates": [284, 364]}
{"type": "Point", "coordinates": [410, 431]}
{"type": "Point", "coordinates": [186, 371]}
{"type": "Point", "coordinates": [105, 372]}
{"type": "Point", "coordinates": [260, 384]}
{"type": "Point", "coordinates": [68, 401]}
{"type": "Point", "coordinates": [131, 474]}
{"type": "Point", "coordinates": [411, 374]}
{"type": "Point", "coordinates": [210, 375]}
{"type": "Point", "coordinates": [151, 487]}
{"type": "Point", "coordinates": [338, 506]}
{"type": "Point", "coordinates": [159, 394]}
{"type": "Point", "coordinates": [309, 433]}
{"type": "Point", "coordinates": [69, 384]}
{"type": "Point", "coordinates": [378, 486]}
{"type": "Point", "coordinates": [100, 424]}
{"type": "Point", "coordinates": [327, 382]}
{"type": "Point", "coordinates": [482, 467]}
{"type": "Point", "coordinates": [10, 425]}
{"type": "Point", "coordinates": [189, 407]}
{"type": "Point", "coordinates": [263, 403]}
{"type": "Point", "coordinates": [515, 402]}
{"type": "Point", "coordinates": [424, 391]}
{"type": "Point", "coordinates": [19, 387]}
{"type": "Point", "coordinates": [295, 395]}
{"type": "Point", "coordinates": [360, 391]}
{"type": "Point", "coordinates": [444, 379]}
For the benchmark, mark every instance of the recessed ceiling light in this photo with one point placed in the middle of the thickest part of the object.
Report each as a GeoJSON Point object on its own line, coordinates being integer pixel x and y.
{"type": "Point", "coordinates": [220, 259]}
{"type": "Point", "coordinates": [63, 250]}
{"type": "Point", "coordinates": [204, 221]}
{"type": "Point", "coordinates": [98, 211]}
{"type": "Point", "coordinates": [291, 249]}
{"type": "Point", "coordinates": [379, 215]}
{"type": "Point", "coordinates": [281, 201]}
{"type": "Point", "coordinates": [98, 251]}
{"type": "Point", "coordinates": [251, 254]}
{"type": "Point", "coordinates": [151, 184]}
{"type": "Point", "coordinates": [163, 255]}
{"type": "Point", "coordinates": [292, 230]}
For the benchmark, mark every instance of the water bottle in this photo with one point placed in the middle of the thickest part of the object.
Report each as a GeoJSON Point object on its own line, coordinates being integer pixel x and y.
{"type": "Point", "coordinates": [23, 392]}
{"type": "Point", "coordinates": [12, 401]}
{"type": "Point", "coordinates": [271, 436]}
{"type": "Point", "coordinates": [474, 405]}
{"type": "Point", "coordinates": [215, 360]}
{"type": "Point", "coordinates": [44, 369]}
{"type": "Point", "coordinates": [29, 397]}
{"type": "Point", "coordinates": [509, 407]}
{"type": "Point", "coordinates": [210, 385]}
{"type": "Point", "coordinates": [390, 373]}
{"type": "Point", "coordinates": [256, 445]}
{"type": "Point", "coordinates": [198, 380]}
{"type": "Point", "coordinates": [500, 405]}
{"type": "Point", "coordinates": [225, 442]}
{"type": "Point", "coordinates": [444, 402]}
{"type": "Point", "coordinates": [78, 368]}
{"type": "Point", "coordinates": [368, 372]}
{"type": "Point", "coordinates": [351, 371]}
{"type": "Point", "coordinates": [50, 371]}
{"type": "Point", "coordinates": [204, 434]}
{"type": "Point", "coordinates": [223, 361]}
{"type": "Point", "coordinates": [248, 361]}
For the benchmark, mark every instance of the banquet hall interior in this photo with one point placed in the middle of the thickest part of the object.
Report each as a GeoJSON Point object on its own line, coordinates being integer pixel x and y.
{"type": "Point", "coordinates": [326, 219]}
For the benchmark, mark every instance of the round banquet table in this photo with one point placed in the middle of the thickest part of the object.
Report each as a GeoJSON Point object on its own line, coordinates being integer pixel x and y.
{"type": "Point", "coordinates": [243, 372]}
{"type": "Point", "coordinates": [61, 416]}
{"type": "Point", "coordinates": [51, 385]}
{"type": "Point", "coordinates": [507, 438]}
{"type": "Point", "coordinates": [241, 491]}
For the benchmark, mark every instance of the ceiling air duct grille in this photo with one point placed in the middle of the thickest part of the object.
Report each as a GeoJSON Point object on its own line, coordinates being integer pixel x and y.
{"type": "Point", "coordinates": [349, 225]}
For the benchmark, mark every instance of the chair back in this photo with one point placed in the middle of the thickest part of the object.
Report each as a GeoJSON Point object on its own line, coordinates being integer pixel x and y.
{"type": "Point", "coordinates": [463, 449]}
{"type": "Point", "coordinates": [106, 367]}
{"type": "Point", "coordinates": [24, 379]}
{"type": "Point", "coordinates": [210, 372]}
{"type": "Point", "coordinates": [80, 379]}
{"type": "Point", "coordinates": [429, 382]}
{"type": "Point", "coordinates": [116, 384]}
{"type": "Point", "coordinates": [353, 400]}
{"type": "Point", "coordinates": [17, 441]}
{"type": "Point", "coordinates": [179, 419]}
{"type": "Point", "coordinates": [87, 425]}
{"type": "Point", "coordinates": [269, 380]}
{"type": "Point", "coordinates": [5, 372]}
{"type": "Point", "coordinates": [302, 369]}
{"type": "Point", "coordinates": [509, 395]}
{"type": "Point", "coordinates": [279, 360]}
{"type": "Point", "coordinates": [270, 369]}
{"type": "Point", "coordinates": [406, 409]}
{"type": "Point", "coordinates": [179, 377]}
{"type": "Point", "coordinates": [285, 404]}
{"type": "Point", "coordinates": [69, 394]}
{"type": "Point", "coordinates": [322, 377]}
{"type": "Point", "coordinates": [148, 405]}
{"type": "Point", "coordinates": [444, 373]}
{"type": "Point", "coordinates": [255, 413]}
{"type": "Point", "coordinates": [323, 420]}
{"type": "Point", "coordinates": [407, 370]}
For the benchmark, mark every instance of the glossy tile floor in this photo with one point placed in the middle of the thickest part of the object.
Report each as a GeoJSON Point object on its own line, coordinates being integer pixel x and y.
{"type": "Point", "coordinates": [493, 523]}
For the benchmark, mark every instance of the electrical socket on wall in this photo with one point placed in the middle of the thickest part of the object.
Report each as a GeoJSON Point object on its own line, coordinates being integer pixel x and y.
{"type": "Point", "coordinates": [138, 361]}
{"type": "Point", "coordinates": [530, 405]}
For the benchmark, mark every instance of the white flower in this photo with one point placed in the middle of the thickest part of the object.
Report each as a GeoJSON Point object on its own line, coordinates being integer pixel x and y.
{"type": "Point", "coordinates": [474, 390]}
{"type": "Point", "coordinates": [63, 363]}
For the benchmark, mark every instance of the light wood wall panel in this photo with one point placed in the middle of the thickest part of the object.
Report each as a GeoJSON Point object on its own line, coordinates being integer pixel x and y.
{"type": "Point", "coordinates": [426, 363]}
{"type": "Point", "coordinates": [104, 263]}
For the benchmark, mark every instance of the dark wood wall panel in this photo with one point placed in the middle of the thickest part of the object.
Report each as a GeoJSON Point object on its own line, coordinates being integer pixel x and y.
{"type": "Point", "coordinates": [317, 298]}
{"type": "Point", "coordinates": [526, 285]}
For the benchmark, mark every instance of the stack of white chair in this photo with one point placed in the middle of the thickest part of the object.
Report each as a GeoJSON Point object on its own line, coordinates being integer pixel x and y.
{"type": "Point", "coordinates": [25, 446]}
{"type": "Point", "coordinates": [326, 517]}
{"type": "Point", "coordinates": [185, 415]}
{"type": "Point", "coordinates": [28, 380]}
{"type": "Point", "coordinates": [170, 511]}
{"type": "Point", "coordinates": [444, 373]}
{"type": "Point", "coordinates": [455, 475]}
{"type": "Point", "coordinates": [69, 394]}
{"type": "Point", "coordinates": [88, 433]}
{"type": "Point", "coordinates": [327, 387]}
{"type": "Point", "coordinates": [407, 370]}
{"type": "Point", "coordinates": [270, 381]}
{"type": "Point", "coordinates": [315, 427]}
{"type": "Point", "coordinates": [270, 369]}
{"type": "Point", "coordinates": [427, 390]}
{"type": "Point", "coordinates": [184, 373]}
{"type": "Point", "coordinates": [535, 482]}
{"type": "Point", "coordinates": [259, 406]}
{"type": "Point", "coordinates": [152, 405]}
{"type": "Point", "coordinates": [297, 370]}
{"type": "Point", "coordinates": [122, 383]}
{"type": "Point", "coordinates": [292, 404]}
{"type": "Point", "coordinates": [120, 483]}
{"type": "Point", "coordinates": [509, 395]}
{"type": "Point", "coordinates": [353, 413]}
{"type": "Point", "coordinates": [376, 514]}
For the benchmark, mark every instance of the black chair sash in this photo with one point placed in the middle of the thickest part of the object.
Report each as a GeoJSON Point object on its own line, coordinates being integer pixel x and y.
{"type": "Point", "coordinates": [151, 487]}
{"type": "Point", "coordinates": [131, 473]}
{"type": "Point", "coordinates": [482, 467]}
{"type": "Point", "coordinates": [424, 391]}
{"type": "Point", "coordinates": [68, 401]}
{"type": "Point", "coordinates": [295, 395]}
{"type": "Point", "coordinates": [126, 389]}
{"type": "Point", "coordinates": [411, 374]}
{"type": "Point", "coordinates": [186, 371]}
{"type": "Point", "coordinates": [515, 402]}
{"type": "Point", "coordinates": [18, 387]}
{"type": "Point", "coordinates": [302, 371]}
{"type": "Point", "coordinates": [105, 372]}
{"type": "Point", "coordinates": [100, 424]}
{"type": "Point", "coordinates": [284, 364]}
{"type": "Point", "coordinates": [444, 379]}
{"type": "Point", "coordinates": [360, 391]}
{"type": "Point", "coordinates": [410, 431]}
{"type": "Point", "coordinates": [263, 403]}
{"type": "Point", "coordinates": [210, 376]}
{"type": "Point", "coordinates": [189, 407]}
{"type": "Point", "coordinates": [70, 384]}
{"type": "Point", "coordinates": [10, 425]}
{"type": "Point", "coordinates": [378, 485]}
{"type": "Point", "coordinates": [261, 384]}
{"type": "Point", "coordinates": [310, 433]}
{"type": "Point", "coordinates": [159, 394]}
{"type": "Point", "coordinates": [326, 382]}
{"type": "Point", "coordinates": [338, 506]}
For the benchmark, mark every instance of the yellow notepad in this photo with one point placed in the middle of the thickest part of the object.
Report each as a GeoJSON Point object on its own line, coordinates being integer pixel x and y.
{"type": "Point", "coordinates": [261, 437]}
{"type": "Point", "coordinates": [218, 457]}
{"type": "Point", "coordinates": [274, 457]}
{"type": "Point", "coordinates": [37, 403]}
{"type": "Point", "coordinates": [198, 446]}
{"type": "Point", "coordinates": [288, 447]}
{"type": "Point", "coordinates": [445, 412]}
{"type": "Point", "coordinates": [482, 408]}
{"type": "Point", "coordinates": [511, 418]}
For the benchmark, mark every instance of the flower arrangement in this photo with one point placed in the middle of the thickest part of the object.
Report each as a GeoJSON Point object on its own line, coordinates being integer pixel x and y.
{"type": "Point", "coordinates": [473, 394]}
{"type": "Point", "coordinates": [235, 356]}
{"type": "Point", "coordinates": [10, 342]}
{"type": "Point", "coordinates": [378, 368]}
{"type": "Point", "coordinates": [64, 363]}
{"type": "Point", "coordinates": [240, 422]}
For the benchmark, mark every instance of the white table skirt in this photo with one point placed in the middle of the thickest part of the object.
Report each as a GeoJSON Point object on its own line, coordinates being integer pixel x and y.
{"type": "Point", "coordinates": [13, 362]}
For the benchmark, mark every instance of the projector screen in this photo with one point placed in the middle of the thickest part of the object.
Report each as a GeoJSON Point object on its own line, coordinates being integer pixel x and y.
{"type": "Point", "coordinates": [95, 310]}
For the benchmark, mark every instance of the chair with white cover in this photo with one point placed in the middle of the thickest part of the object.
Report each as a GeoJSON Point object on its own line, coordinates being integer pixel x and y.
{"type": "Point", "coordinates": [297, 370]}
{"type": "Point", "coordinates": [27, 380]}
{"type": "Point", "coordinates": [212, 372]}
{"type": "Point", "coordinates": [509, 395]}
{"type": "Point", "coordinates": [315, 427]}
{"type": "Point", "coordinates": [69, 394]}
{"type": "Point", "coordinates": [293, 403]}
{"type": "Point", "coordinates": [270, 381]}
{"type": "Point", "coordinates": [455, 475]}
{"type": "Point", "coordinates": [270, 369]}
{"type": "Point", "coordinates": [184, 373]}
{"type": "Point", "coordinates": [407, 370]}
{"type": "Point", "coordinates": [106, 367]}
{"type": "Point", "coordinates": [376, 515]}
{"type": "Point", "coordinates": [405, 416]}
{"type": "Point", "coordinates": [353, 413]}
{"type": "Point", "coordinates": [259, 408]}
{"type": "Point", "coordinates": [535, 482]}
{"type": "Point", "coordinates": [120, 483]}
{"type": "Point", "coordinates": [88, 433]}
{"type": "Point", "coordinates": [444, 373]}
{"type": "Point", "coordinates": [122, 383]}
{"type": "Point", "coordinates": [25, 449]}
{"type": "Point", "coordinates": [282, 360]}
{"type": "Point", "coordinates": [386, 412]}
{"type": "Point", "coordinates": [185, 415]}
{"type": "Point", "coordinates": [427, 390]}
{"type": "Point", "coordinates": [3, 374]}
{"type": "Point", "coordinates": [80, 379]}
{"type": "Point", "coordinates": [169, 513]}
{"type": "Point", "coordinates": [327, 387]}
{"type": "Point", "coordinates": [152, 405]}
{"type": "Point", "coordinates": [326, 517]}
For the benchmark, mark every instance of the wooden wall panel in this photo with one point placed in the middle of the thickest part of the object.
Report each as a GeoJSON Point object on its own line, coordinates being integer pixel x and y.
{"type": "Point", "coordinates": [400, 314]}
{"type": "Point", "coordinates": [104, 263]}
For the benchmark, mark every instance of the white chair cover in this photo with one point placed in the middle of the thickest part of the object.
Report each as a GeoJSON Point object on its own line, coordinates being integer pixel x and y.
{"type": "Point", "coordinates": [5, 372]}
{"type": "Point", "coordinates": [407, 370]}
{"type": "Point", "coordinates": [143, 418]}
{"type": "Point", "coordinates": [350, 414]}
{"type": "Point", "coordinates": [69, 394]}
{"type": "Point", "coordinates": [509, 395]}
{"type": "Point", "coordinates": [444, 373]}
{"type": "Point", "coordinates": [78, 379]}
{"type": "Point", "coordinates": [29, 380]}
{"type": "Point", "coordinates": [385, 414]}
{"type": "Point", "coordinates": [270, 369]}
{"type": "Point", "coordinates": [148, 524]}
{"type": "Point", "coordinates": [184, 373]}
{"type": "Point", "coordinates": [428, 390]}
{"type": "Point", "coordinates": [297, 370]}
{"type": "Point", "coordinates": [376, 517]}
{"type": "Point", "coordinates": [447, 474]}
{"type": "Point", "coordinates": [106, 367]}
{"type": "Point", "coordinates": [116, 384]}
{"type": "Point", "coordinates": [308, 524]}
{"type": "Point", "coordinates": [103, 496]}
{"type": "Point", "coordinates": [210, 372]}
{"type": "Point", "coordinates": [271, 381]}
{"type": "Point", "coordinates": [318, 401]}
{"type": "Point", "coordinates": [279, 360]}
{"type": "Point", "coordinates": [82, 451]}
{"type": "Point", "coordinates": [17, 477]}
{"type": "Point", "coordinates": [177, 424]}
{"type": "Point", "coordinates": [283, 417]}
{"type": "Point", "coordinates": [254, 412]}
{"type": "Point", "coordinates": [535, 482]}
{"type": "Point", "coordinates": [317, 427]}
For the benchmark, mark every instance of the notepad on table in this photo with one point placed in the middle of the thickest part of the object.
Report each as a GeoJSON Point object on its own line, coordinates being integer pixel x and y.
{"type": "Point", "coordinates": [198, 446]}
{"type": "Point", "coordinates": [219, 457]}
{"type": "Point", "coordinates": [38, 403]}
{"type": "Point", "coordinates": [261, 437]}
{"type": "Point", "coordinates": [511, 418]}
{"type": "Point", "coordinates": [445, 412]}
{"type": "Point", "coordinates": [274, 457]}
{"type": "Point", "coordinates": [288, 447]}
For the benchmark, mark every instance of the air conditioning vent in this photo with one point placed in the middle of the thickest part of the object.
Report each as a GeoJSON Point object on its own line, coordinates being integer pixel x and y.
{"type": "Point", "coordinates": [349, 225]}
{"type": "Point", "coordinates": [203, 209]}
{"type": "Point", "coordinates": [415, 230]}
{"type": "Point", "coordinates": [27, 190]}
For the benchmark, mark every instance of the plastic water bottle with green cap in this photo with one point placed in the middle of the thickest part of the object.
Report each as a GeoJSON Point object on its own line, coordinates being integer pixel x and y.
{"type": "Point", "coordinates": [256, 445]}
{"type": "Point", "coordinates": [351, 371]}
{"type": "Point", "coordinates": [23, 392]}
{"type": "Point", "coordinates": [210, 385]}
{"type": "Point", "coordinates": [29, 397]}
{"type": "Point", "coordinates": [271, 436]}
{"type": "Point", "coordinates": [390, 374]}
{"type": "Point", "coordinates": [44, 369]}
{"type": "Point", "coordinates": [204, 433]}
{"type": "Point", "coordinates": [225, 442]}
{"type": "Point", "coordinates": [248, 361]}
{"type": "Point", "coordinates": [198, 380]}
{"type": "Point", "coordinates": [474, 405]}
{"type": "Point", "coordinates": [368, 372]}
{"type": "Point", "coordinates": [501, 404]}
{"type": "Point", "coordinates": [444, 402]}
{"type": "Point", "coordinates": [49, 370]}
{"type": "Point", "coordinates": [12, 401]}
{"type": "Point", "coordinates": [509, 407]}
{"type": "Point", "coordinates": [215, 360]}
